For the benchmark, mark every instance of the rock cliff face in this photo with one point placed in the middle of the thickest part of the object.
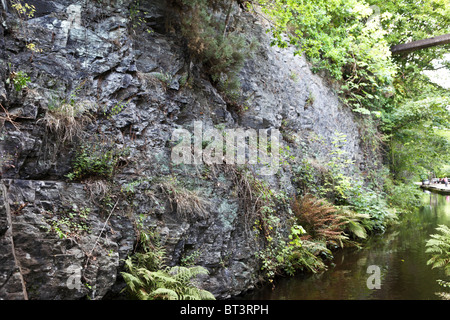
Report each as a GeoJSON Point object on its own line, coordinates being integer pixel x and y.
{"type": "Point", "coordinates": [65, 239]}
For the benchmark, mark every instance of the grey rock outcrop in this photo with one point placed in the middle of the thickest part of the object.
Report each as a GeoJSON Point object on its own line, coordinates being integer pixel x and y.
{"type": "Point", "coordinates": [137, 88]}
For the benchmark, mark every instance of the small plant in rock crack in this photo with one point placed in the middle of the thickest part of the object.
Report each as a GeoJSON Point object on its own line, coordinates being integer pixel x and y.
{"type": "Point", "coordinates": [188, 260]}
{"type": "Point", "coordinates": [137, 17]}
{"type": "Point", "coordinates": [25, 10]}
{"type": "Point", "coordinates": [96, 159]}
{"type": "Point", "coordinates": [19, 80]}
{"type": "Point", "coordinates": [117, 108]}
{"type": "Point", "coordinates": [70, 224]}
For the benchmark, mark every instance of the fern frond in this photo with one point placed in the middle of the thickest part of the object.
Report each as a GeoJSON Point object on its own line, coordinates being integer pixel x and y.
{"type": "Point", "coordinates": [184, 274]}
{"type": "Point", "coordinates": [141, 294]}
{"type": "Point", "coordinates": [163, 294]}
{"type": "Point", "coordinates": [168, 283]}
{"type": "Point", "coordinates": [164, 278]}
{"type": "Point", "coordinates": [205, 295]}
{"type": "Point", "coordinates": [445, 231]}
{"type": "Point", "coordinates": [320, 219]}
{"type": "Point", "coordinates": [132, 282]}
{"type": "Point", "coordinates": [357, 229]}
{"type": "Point", "coordinates": [439, 246]}
{"type": "Point", "coordinates": [193, 293]}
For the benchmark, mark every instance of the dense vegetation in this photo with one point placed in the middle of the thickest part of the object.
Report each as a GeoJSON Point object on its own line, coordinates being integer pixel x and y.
{"type": "Point", "coordinates": [400, 107]}
{"type": "Point", "coordinates": [439, 247]}
{"type": "Point", "coordinates": [402, 112]}
{"type": "Point", "coordinates": [350, 39]}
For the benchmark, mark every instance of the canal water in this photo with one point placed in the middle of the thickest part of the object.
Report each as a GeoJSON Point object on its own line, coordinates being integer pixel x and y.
{"type": "Point", "coordinates": [399, 255]}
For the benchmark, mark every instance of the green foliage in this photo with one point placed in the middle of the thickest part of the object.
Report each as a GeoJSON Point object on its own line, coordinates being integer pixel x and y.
{"type": "Point", "coordinates": [417, 105]}
{"type": "Point", "coordinates": [263, 205]}
{"type": "Point", "coordinates": [71, 223]}
{"type": "Point", "coordinates": [351, 203]}
{"type": "Point", "coordinates": [340, 37]}
{"type": "Point", "coordinates": [439, 246]}
{"type": "Point", "coordinates": [137, 16]}
{"type": "Point", "coordinates": [354, 223]}
{"type": "Point", "coordinates": [24, 9]}
{"type": "Point", "coordinates": [188, 260]}
{"type": "Point", "coordinates": [404, 197]}
{"type": "Point", "coordinates": [317, 225]}
{"type": "Point", "coordinates": [288, 257]}
{"type": "Point", "coordinates": [96, 159]}
{"type": "Point", "coordinates": [167, 284]}
{"type": "Point", "coordinates": [115, 109]}
{"type": "Point", "coordinates": [19, 80]}
{"type": "Point", "coordinates": [416, 145]}
{"type": "Point", "coordinates": [410, 20]}
{"type": "Point", "coordinates": [372, 204]}
{"type": "Point", "coordinates": [149, 252]}
{"type": "Point", "coordinates": [213, 41]}
{"type": "Point", "coordinates": [147, 277]}
{"type": "Point", "coordinates": [426, 109]}
{"type": "Point", "coordinates": [305, 255]}
{"type": "Point", "coordinates": [309, 176]}
{"type": "Point", "coordinates": [417, 151]}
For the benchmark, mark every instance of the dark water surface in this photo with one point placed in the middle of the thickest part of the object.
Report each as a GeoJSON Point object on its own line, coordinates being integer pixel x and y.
{"type": "Point", "coordinates": [399, 253]}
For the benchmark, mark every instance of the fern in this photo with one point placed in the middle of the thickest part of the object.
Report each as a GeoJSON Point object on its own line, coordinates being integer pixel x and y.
{"type": "Point", "coordinates": [147, 278]}
{"type": "Point", "coordinates": [439, 247]}
{"type": "Point", "coordinates": [162, 294]}
{"type": "Point", "coordinates": [132, 281]}
{"type": "Point", "coordinates": [354, 222]}
{"type": "Point", "coordinates": [183, 277]}
{"type": "Point", "coordinates": [306, 256]}
{"type": "Point", "coordinates": [165, 284]}
{"type": "Point", "coordinates": [320, 219]}
{"type": "Point", "coordinates": [185, 274]}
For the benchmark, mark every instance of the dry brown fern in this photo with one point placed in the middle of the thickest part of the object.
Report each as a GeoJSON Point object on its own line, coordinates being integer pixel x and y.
{"type": "Point", "coordinates": [320, 219]}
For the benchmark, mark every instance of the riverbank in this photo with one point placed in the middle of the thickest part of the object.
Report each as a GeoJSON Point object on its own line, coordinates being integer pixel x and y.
{"type": "Point", "coordinates": [398, 254]}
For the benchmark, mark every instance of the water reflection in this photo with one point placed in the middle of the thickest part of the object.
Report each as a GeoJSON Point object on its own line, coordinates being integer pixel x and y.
{"type": "Point", "coordinates": [399, 253]}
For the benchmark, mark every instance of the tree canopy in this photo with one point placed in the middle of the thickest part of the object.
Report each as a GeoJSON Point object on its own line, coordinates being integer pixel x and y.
{"type": "Point", "coordinates": [351, 41]}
